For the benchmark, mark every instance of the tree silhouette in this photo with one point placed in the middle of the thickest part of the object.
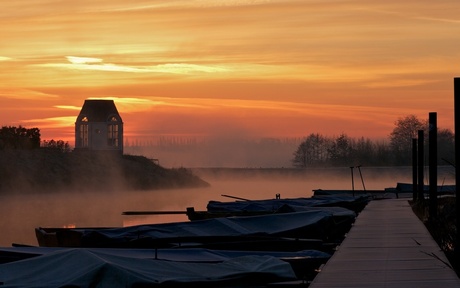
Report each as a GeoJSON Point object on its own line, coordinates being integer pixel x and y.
{"type": "Point", "coordinates": [341, 151]}
{"type": "Point", "coordinates": [405, 130]}
{"type": "Point", "coordinates": [58, 145]}
{"type": "Point", "coordinates": [313, 150]}
{"type": "Point", "coordinates": [345, 151]}
{"type": "Point", "coordinates": [19, 138]}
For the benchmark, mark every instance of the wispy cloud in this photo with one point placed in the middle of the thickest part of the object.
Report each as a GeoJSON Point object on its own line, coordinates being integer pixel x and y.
{"type": "Point", "coordinates": [130, 104]}
{"type": "Point", "coordinates": [221, 3]}
{"type": "Point", "coordinates": [67, 107]}
{"type": "Point", "coordinates": [52, 122]}
{"type": "Point", "coordinates": [445, 20]}
{"type": "Point", "coordinates": [182, 68]}
{"type": "Point", "coordinates": [20, 93]}
{"type": "Point", "coordinates": [403, 11]}
{"type": "Point", "coordinates": [3, 58]}
{"type": "Point", "coordinates": [127, 6]}
{"type": "Point", "coordinates": [83, 60]}
{"type": "Point", "coordinates": [89, 63]}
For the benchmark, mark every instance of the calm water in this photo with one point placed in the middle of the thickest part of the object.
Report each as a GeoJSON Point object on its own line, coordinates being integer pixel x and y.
{"type": "Point", "coordinates": [20, 214]}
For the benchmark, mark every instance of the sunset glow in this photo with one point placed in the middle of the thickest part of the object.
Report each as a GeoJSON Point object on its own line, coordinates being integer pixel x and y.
{"type": "Point", "coordinates": [245, 68]}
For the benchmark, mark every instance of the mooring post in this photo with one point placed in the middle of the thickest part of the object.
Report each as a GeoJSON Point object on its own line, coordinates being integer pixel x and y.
{"type": "Point", "coordinates": [457, 160]}
{"type": "Point", "coordinates": [433, 163]}
{"type": "Point", "coordinates": [420, 162]}
{"type": "Point", "coordinates": [414, 169]}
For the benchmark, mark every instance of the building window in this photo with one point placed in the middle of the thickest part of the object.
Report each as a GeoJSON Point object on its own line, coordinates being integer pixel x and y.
{"type": "Point", "coordinates": [112, 132]}
{"type": "Point", "coordinates": [84, 135]}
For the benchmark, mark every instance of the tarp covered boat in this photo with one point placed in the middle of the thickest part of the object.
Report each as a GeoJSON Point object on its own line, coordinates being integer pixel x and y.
{"type": "Point", "coordinates": [345, 201]}
{"type": "Point", "coordinates": [96, 268]}
{"type": "Point", "coordinates": [195, 255]}
{"type": "Point", "coordinates": [303, 262]}
{"type": "Point", "coordinates": [315, 224]}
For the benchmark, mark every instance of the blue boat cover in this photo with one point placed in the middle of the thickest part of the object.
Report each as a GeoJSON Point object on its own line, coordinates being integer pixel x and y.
{"type": "Point", "coordinates": [275, 204]}
{"type": "Point", "coordinates": [313, 224]}
{"type": "Point", "coordinates": [195, 255]}
{"type": "Point", "coordinates": [96, 268]}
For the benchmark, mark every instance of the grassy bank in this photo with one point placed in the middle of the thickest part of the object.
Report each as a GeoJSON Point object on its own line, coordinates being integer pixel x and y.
{"type": "Point", "coordinates": [43, 170]}
{"type": "Point", "coordinates": [443, 228]}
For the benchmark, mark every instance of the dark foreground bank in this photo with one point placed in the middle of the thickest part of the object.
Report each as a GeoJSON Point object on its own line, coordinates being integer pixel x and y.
{"type": "Point", "coordinates": [443, 228]}
{"type": "Point", "coordinates": [44, 170]}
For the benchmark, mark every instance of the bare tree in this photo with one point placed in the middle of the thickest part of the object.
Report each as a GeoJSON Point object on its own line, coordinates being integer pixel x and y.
{"type": "Point", "coordinates": [313, 150]}
{"type": "Point", "coordinates": [365, 151]}
{"type": "Point", "coordinates": [341, 151]}
{"type": "Point", "coordinates": [405, 130]}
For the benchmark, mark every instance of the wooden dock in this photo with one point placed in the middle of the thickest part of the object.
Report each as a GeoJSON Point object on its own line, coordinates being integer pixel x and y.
{"type": "Point", "coordinates": [388, 246]}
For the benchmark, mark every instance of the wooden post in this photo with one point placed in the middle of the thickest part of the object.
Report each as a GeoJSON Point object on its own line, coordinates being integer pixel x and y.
{"type": "Point", "coordinates": [414, 169]}
{"type": "Point", "coordinates": [420, 161]}
{"type": "Point", "coordinates": [433, 164]}
{"type": "Point", "coordinates": [457, 160]}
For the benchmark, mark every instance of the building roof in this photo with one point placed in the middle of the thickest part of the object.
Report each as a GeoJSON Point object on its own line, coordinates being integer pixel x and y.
{"type": "Point", "coordinates": [98, 110]}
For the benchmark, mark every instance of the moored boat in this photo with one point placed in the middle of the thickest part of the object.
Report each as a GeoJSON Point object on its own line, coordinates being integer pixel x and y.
{"type": "Point", "coordinates": [96, 268]}
{"type": "Point", "coordinates": [306, 225]}
{"type": "Point", "coordinates": [355, 204]}
{"type": "Point", "coordinates": [245, 207]}
{"type": "Point", "coordinates": [303, 262]}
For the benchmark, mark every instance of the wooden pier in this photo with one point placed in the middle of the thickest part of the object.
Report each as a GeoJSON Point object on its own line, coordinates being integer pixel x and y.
{"type": "Point", "coordinates": [388, 246]}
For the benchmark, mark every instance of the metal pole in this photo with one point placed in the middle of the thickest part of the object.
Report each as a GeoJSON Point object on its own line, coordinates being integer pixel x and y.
{"type": "Point", "coordinates": [433, 163]}
{"type": "Point", "coordinates": [414, 169]}
{"type": "Point", "coordinates": [457, 160]}
{"type": "Point", "coordinates": [361, 175]}
{"type": "Point", "coordinates": [352, 181]}
{"type": "Point", "coordinates": [420, 161]}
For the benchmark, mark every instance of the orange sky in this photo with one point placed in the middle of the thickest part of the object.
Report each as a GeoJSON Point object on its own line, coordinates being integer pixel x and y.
{"type": "Point", "coordinates": [229, 68]}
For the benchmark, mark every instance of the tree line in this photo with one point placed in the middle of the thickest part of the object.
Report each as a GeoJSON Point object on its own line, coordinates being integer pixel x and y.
{"type": "Point", "coordinates": [21, 138]}
{"type": "Point", "coordinates": [313, 151]}
{"type": "Point", "coordinates": [319, 150]}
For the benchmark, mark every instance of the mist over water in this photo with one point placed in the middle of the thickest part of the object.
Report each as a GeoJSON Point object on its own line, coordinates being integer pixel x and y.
{"type": "Point", "coordinates": [21, 213]}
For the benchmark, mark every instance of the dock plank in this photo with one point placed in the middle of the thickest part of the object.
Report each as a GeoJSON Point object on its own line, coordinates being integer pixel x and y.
{"type": "Point", "coordinates": [388, 246]}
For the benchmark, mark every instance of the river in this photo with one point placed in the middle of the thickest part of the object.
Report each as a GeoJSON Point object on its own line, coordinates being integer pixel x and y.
{"type": "Point", "coordinates": [21, 213]}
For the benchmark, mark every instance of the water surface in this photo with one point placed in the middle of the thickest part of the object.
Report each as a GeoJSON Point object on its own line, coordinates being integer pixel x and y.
{"type": "Point", "coordinates": [21, 213]}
